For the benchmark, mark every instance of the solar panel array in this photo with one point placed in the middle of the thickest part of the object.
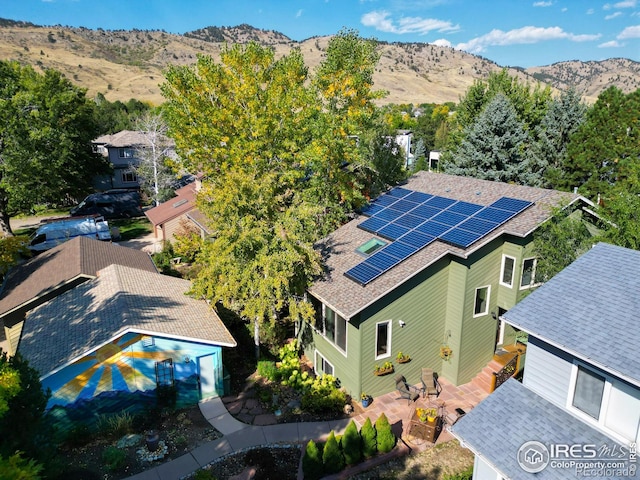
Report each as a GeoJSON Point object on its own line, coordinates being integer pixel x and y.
{"type": "Point", "coordinates": [412, 220]}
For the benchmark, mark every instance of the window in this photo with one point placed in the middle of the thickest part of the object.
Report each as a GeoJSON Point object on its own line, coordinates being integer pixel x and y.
{"type": "Point", "coordinates": [528, 272]}
{"type": "Point", "coordinates": [129, 176]}
{"type": "Point", "coordinates": [507, 271]}
{"type": "Point", "coordinates": [370, 246]}
{"type": "Point", "coordinates": [125, 152]}
{"type": "Point", "coordinates": [481, 305]}
{"type": "Point", "coordinates": [322, 365]}
{"type": "Point", "coordinates": [588, 392]}
{"type": "Point", "coordinates": [383, 339]}
{"type": "Point", "coordinates": [330, 324]}
{"type": "Point", "coordinates": [609, 403]}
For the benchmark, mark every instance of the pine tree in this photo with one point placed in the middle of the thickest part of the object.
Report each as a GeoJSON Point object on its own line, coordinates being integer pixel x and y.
{"type": "Point", "coordinates": [332, 457]}
{"type": "Point", "coordinates": [368, 435]}
{"type": "Point", "coordinates": [352, 444]}
{"type": "Point", "coordinates": [384, 435]}
{"type": "Point", "coordinates": [312, 462]}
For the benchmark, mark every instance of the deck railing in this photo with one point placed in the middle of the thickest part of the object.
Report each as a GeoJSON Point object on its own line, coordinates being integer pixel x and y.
{"type": "Point", "coordinates": [508, 371]}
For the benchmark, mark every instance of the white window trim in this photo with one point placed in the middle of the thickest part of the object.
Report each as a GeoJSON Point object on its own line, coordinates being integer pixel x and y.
{"type": "Point", "coordinates": [513, 270]}
{"type": "Point", "coordinates": [533, 274]}
{"type": "Point", "coordinates": [323, 331]}
{"type": "Point", "coordinates": [604, 406]}
{"type": "Point", "coordinates": [375, 345]}
{"type": "Point", "coordinates": [318, 354]}
{"type": "Point", "coordinates": [475, 296]}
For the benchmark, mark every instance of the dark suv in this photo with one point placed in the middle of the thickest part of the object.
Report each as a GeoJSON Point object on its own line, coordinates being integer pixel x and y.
{"type": "Point", "coordinates": [111, 204]}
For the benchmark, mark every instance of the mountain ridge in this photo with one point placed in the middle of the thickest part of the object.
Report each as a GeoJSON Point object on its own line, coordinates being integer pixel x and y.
{"type": "Point", "coordinates": [124, 64]}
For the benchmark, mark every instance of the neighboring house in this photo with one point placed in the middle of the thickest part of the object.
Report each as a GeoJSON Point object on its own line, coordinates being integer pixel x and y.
{"type": "Point", "coordinates": [55, 271]}
{"type": "Point", "coordinates": [167, 217]}
{"type": "Point", "coordinates": [107, 344]}
{"type": "Point", "coordinates": [403, 139]}
{"type": "Point", "coordinates": [430, 289]}
{"type": "Point", "coordinates": [121, 150]}
{"type": "Point", "coordinates": [581, 383]}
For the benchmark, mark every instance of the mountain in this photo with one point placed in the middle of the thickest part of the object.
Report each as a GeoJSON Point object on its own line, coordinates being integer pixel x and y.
{"type": "Point", "coordinates": [124, 64]}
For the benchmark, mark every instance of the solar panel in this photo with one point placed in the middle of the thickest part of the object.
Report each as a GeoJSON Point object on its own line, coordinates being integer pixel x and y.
{"type": "Point", "coordinates": [400, 250]}
{"type": "Point", "coordinates": [439, 202]}
{"type": "Point", "coordinates": [418, 197]}
{"type": "Point", "coordinates": [478, 225]}
{"type": "Point", "coordinates": [511, 204]}
{"type": "Point", "coordinates": [385, 200]}
{"type": "Point", "coordinates": [388, 214]}
{"type": "Point", "coordinates": [465, 208]}
{"type": "Point", "coordinates": [416, 239]}
{"type": "Point", "coordinates": [432, 228]}
{"type": "Point", "coordinates": [425, 211]}
{"type": "Point", "coordinates": [460, 238]}
{"type": "Point", "coordinates": [399, 192]}
{"type": "Point", "coordinates": [403, 206]}
{"type": "Point", "coordinates": [363, 273]}
{"type": "Point", "coordinates": [372, 209]}
{"type": "Point", "coordinates": [494, 215]}
{"type": "Point", "coordinates": [381, 261]}
{"type": "Point", "coordinates": [448, 218]}
{"type": "Point", "coordinates": [372, 224]}
{"type": "Point", "coordinates": [409, 221]}
{"type": "Point", "coordinates": [392, 231]}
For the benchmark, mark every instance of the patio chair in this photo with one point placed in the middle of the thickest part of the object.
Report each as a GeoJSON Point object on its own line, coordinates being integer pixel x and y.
{"type": "Point", "coordinates": [430, 385]}
{"type": "Point", "coordinates": [406, 391]}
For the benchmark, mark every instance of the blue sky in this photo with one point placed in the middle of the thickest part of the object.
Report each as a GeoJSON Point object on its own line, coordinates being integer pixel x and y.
{"type": "Point", "coordinates": [509, 32]}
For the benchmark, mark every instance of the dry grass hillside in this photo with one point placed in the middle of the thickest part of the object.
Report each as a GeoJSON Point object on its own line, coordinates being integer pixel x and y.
{"type": "Point", "coordinates": [126, 64]}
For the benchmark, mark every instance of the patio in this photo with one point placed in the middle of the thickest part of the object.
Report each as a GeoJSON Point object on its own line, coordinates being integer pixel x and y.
{"type": "Point", "coordinates": [399, 411]}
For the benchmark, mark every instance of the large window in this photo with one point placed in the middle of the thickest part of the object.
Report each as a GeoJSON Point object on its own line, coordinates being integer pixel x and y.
{"type": "Point", "coordinates": [383, 339]}
{"type": "Point", "coordinates": [605, 401]}
{"type": "Point", "coordinates": [330, 324]}
{"type": "Point", "coordinates": [481, 303]}
{"type": "Point", "coordinates": [528, 273]}
{"type": "Point", "coordinates": [128, 176]}
{"type": "Point", "coordinates": [507, 271]}
{"type": "Point", "coordinates": [125, 152]}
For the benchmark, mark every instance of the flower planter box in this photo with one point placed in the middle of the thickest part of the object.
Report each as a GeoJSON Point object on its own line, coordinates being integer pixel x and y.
{"type": "Point", "coordinates": [386, 371]}
{"type": "Point", "coordinates": [427, 431]}
{"type": "Point", "coordinates": [404, 360]}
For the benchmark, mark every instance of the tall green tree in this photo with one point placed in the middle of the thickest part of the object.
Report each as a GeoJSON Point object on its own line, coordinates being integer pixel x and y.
{"type": "Point", "coordinates": [493, 147]}
{"type": "Point", "coordinates": [46, 128]}
{"type": "Point", "coordinates": [620, 208]}
{"type": "Point", "coordinates": [549, 153]}
{"type": "Point", "coordinates": [605, 145]}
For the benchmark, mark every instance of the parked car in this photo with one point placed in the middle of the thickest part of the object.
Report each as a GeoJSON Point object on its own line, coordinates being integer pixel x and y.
{"type": "Point", "coordinates": [55, 232]}
{"type": "Point", "coordinates": [111, 204]}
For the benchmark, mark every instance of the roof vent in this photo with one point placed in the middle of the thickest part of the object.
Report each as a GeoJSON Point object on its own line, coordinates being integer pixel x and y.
{"type": "Point", "coordinates": [180, 202]}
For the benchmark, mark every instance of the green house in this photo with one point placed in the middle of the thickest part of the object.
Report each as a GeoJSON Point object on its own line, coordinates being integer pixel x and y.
{"type": "Point", "coordinates": [426, 269]}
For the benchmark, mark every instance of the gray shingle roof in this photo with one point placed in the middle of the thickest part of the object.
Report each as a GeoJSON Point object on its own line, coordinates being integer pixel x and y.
{"type": "Point", "coordinates": [591, 309]}
{"type": "Point", "coordinates": [513, 415]}
{"type": "Point", "coordinates": [126, 138]}
{"type": "Point", "coordinates": [54, 268]}
{"type": "Point", "coordinates": [120, 299]}
{"type": "Point", "coordinates": [339, 248]}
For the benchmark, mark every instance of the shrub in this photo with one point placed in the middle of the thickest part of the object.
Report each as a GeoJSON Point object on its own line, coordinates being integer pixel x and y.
{"type": "Point", "coordinates": [114, 458]}
{"type": "Point", "coordinates": [19, 468]}
{"type": "Point", "coordinates": [80, 434]}
{"type": "Point", "coordinates": [352, 444]}
{"type": "Point", "coordinates": [312, 462]}
{"type": "Point", "coordinates": [331, 455]}
{"type": "Point", "coordinates": [466, 474]}
{"type": "Point", "coordinates": [204, 475]}
{"type": "Point", "coordinates": [116, 425]}
{"type": "Point", "coordinates": [384, 435]}
{"type": "Point", "coordinates": [368, 435]}
{"type": "Point", "coordinates": [268, 370]}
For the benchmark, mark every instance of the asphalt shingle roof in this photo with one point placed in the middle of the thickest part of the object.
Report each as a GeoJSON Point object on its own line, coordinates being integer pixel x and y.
{"type": "Point", "coordinates": [54, 268]}
{"type": "Point", "coordinates": [125, 138]}
{"type": "Point", "coordinates": [120, 299]}
{"type": "Point", "coordinates": [184, 201]}
{"type": "Point", "coordinates": [339, 248]}
{"type": "Point", "coordinates": [591, 309]}
{"type": "Point", "coordinates": [513, 415]}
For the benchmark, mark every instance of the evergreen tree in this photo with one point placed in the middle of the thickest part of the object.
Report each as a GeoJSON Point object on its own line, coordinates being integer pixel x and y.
{"type": "Point", "coordinates": [385, 437]}
{"type": "Point", "coordinates": [352, 444]}
{"type": "Point", "coordinates": [312, 467]}
{"type": "Point", "coordinates": [368, 435]}
{"type": "Point", "coordinates": [493, 148]}
{"type": "Point", "coordinates": [332, 457]}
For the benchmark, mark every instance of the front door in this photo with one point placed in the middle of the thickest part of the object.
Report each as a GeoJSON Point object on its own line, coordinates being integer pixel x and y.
{"type": "Point", "coordinates": [207, 371]}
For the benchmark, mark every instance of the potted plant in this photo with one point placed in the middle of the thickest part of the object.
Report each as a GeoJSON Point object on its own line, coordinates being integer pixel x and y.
{"type": "Point", "coordinates": [402, 358]}
{"type": "Point", "coordinates": [426, 414]}
{"type": "Point", "coordinates": [384, 369]}
{"type": "Point", "coordinates": [366, 399]}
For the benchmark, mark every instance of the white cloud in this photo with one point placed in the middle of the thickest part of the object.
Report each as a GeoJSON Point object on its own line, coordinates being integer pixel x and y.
{"type": "Point", "coordinates": [299, 13]}
{"type": "Point", "coordinates": [442, 42]}
{"type": "Point", "coordinates": [590, 11]}
{"type": "Point", "coordinates": [542, 4]}
{"type": "Point", "coordinates": [629, 32]}
{"type": "Point", "coordinates": [519, 36]}
{"type": "Point", "coordinates": [611, 44]}
{"type": "Point", "coordinates": [382, 21]}
{"type": "Point", "coordinates": [613, 15]}
{"type": "Point", "coordinates": [625, 4]}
